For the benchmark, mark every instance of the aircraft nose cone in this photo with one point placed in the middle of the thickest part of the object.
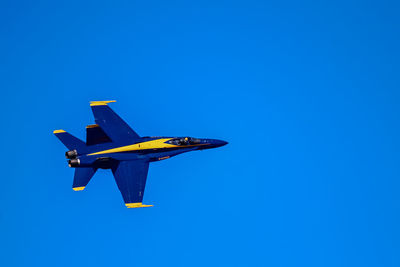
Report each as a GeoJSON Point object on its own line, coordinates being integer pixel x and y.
{"type": "Point", "coordinates": [219, 143]}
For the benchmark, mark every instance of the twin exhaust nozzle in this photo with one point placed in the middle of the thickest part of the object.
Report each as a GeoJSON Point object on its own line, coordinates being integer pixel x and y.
{"type": "Point", "coordinates": [73, 161]}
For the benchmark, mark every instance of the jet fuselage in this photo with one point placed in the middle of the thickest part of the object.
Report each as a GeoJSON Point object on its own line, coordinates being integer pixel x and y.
{"type": "Point", "coordinates": [151, 148]}
{"type": "Point", "coordinates": [112, 144]}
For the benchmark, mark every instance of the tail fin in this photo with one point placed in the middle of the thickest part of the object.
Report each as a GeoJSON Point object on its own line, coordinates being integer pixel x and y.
{"type": "Point", "coordinates": [70, 141]}
{"type": "Point", "coordinates": [82, 178]}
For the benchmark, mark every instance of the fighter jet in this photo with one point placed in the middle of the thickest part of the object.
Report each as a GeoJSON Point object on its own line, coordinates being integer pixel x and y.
{"type": "Point", "coordinates": [112, 144]}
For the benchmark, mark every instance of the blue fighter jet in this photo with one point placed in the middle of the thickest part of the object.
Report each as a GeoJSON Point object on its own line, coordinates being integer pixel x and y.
{"type": "Point", "coordinates": [112, 144]}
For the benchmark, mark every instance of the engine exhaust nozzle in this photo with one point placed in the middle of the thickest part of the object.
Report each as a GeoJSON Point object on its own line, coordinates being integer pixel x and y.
{"type": "Point", "coordinates": [71, 154]}
{"type": "Point", "coordinates": [74, 163]}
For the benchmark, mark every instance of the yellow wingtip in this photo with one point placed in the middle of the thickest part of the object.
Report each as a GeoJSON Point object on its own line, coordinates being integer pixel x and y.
{"type": "Point", "coordinates": [78, 188]}
{"type": "Point", "coordinates": [137, 205]}
{"type": "Point", "coordinates": [101, 103]}
{"type": "Point", "coordinates": [58, 131]}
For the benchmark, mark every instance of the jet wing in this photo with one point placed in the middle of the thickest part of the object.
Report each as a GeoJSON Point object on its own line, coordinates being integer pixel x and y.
{"type": "Point", "coordinates": [114, 127]}
{"type": "Point", "coordinates": [131, 180]}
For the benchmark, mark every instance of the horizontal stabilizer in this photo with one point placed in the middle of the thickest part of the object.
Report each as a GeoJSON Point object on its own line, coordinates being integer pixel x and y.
{"type": "Point", "coordinates": [82, 177]}
{"type": "Point", "coordinates": [70, 141]}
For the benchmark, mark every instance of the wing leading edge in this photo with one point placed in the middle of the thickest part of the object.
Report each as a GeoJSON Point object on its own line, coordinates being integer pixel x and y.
{"type": "Point", "coordinates": [130, 177]}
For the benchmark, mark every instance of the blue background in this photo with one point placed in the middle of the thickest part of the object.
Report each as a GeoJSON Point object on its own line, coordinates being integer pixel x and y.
{"type": "Point", "coordinates": [306, 93]}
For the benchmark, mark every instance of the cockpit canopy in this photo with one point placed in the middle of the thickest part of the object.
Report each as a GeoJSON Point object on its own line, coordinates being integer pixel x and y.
{"type": "Point", "coordinates": [184, 141]}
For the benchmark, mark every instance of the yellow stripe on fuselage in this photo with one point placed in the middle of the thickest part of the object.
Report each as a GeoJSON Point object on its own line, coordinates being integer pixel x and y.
{"type": "Point", "coordinates": [153, 144]}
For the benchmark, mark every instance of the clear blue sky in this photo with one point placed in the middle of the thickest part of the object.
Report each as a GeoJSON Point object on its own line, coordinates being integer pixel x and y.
{"type": "Point", "coordinates": [306, 93]}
